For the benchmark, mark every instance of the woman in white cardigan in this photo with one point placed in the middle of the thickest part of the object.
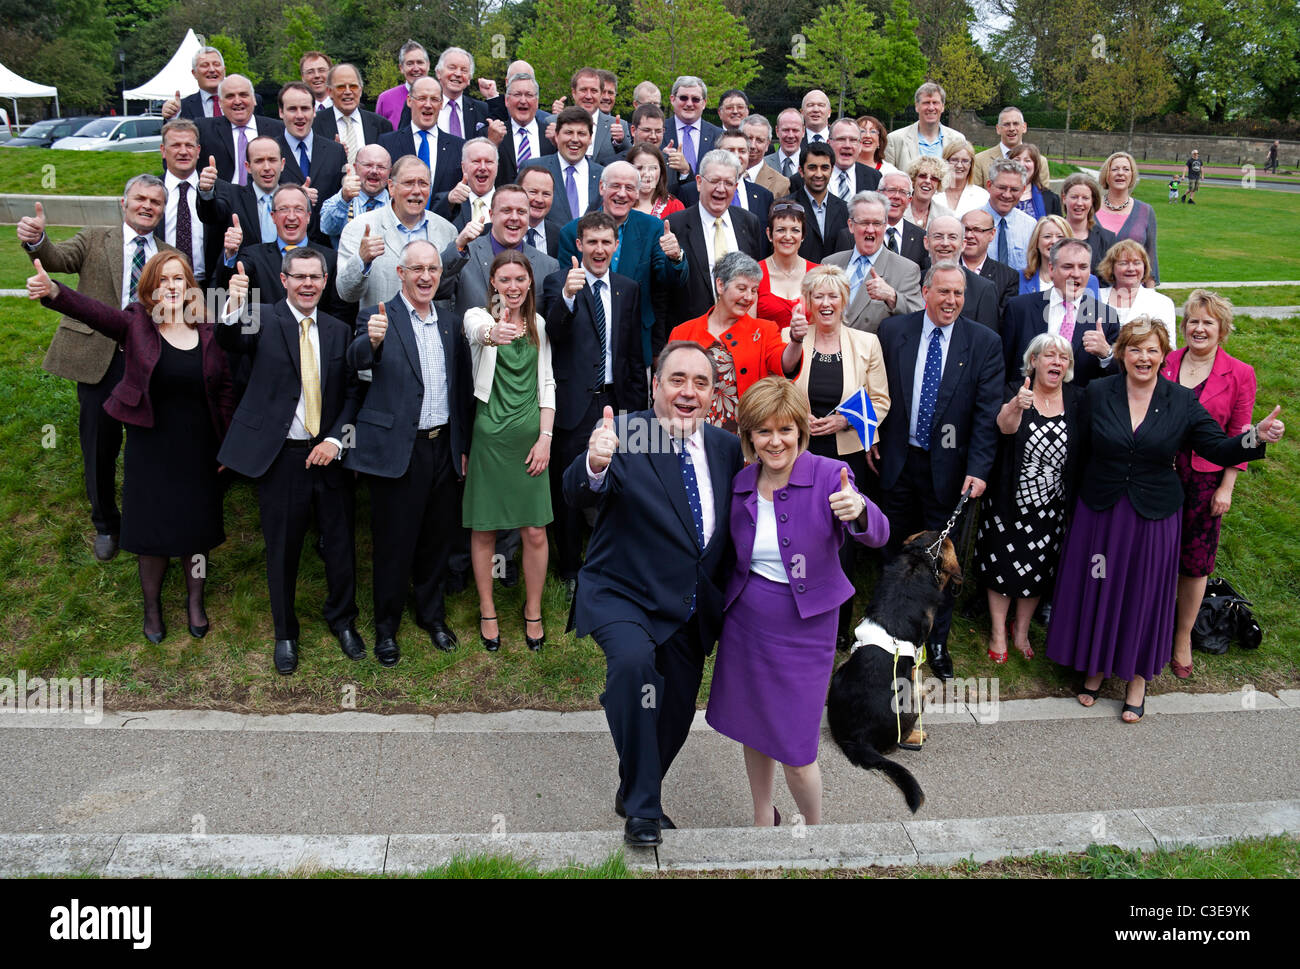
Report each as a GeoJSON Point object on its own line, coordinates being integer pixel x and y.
{"type": "Point", "coordinates": [1127, 268]}
{"type": "Point", "coordinates": [838, 361]}
{"type": "Point", "coordinates": [506, 485]}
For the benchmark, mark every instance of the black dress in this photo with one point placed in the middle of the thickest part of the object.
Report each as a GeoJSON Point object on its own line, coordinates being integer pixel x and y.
{"type": "Point", "coordinates": [171, 498]}
{"type": "Point", "coordinates": [825, 393]}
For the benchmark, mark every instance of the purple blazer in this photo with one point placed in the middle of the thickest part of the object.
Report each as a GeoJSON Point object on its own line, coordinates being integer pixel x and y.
{"type": "Point", "coordinates": [391, 102]}
{"type": "Point", "coordinates": [809, 532]}
{"type": "Point", "coordinates": [1228, 397]}
{"type": "Point", "coordinates": [136, 331]}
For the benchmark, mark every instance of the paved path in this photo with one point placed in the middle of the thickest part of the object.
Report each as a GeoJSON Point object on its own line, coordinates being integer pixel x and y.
{"type": "Point", "coordinates": [1038, 776]}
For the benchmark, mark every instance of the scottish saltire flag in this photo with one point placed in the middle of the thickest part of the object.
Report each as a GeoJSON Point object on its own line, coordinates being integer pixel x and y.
{"type": "Point", "coordinates": [862, 416]}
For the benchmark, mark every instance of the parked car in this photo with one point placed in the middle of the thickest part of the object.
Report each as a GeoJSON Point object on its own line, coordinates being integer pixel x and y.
{"type": "Point", "coordinates": [44, 133]}
{"type": "Point", "coordinates": [142, 133]}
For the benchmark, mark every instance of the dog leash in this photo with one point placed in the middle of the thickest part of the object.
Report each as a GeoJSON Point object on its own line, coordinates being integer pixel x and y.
{"type": "Point", "coordinates": [933, 550]}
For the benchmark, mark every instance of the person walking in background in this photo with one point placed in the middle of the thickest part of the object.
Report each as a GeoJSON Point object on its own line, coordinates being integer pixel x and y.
{"type": "Point", "coordinates": [1193, 177]}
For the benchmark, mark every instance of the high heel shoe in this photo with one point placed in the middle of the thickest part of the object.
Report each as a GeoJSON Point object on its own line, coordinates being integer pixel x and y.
{"type": "Point", "coordinates": [1180, 671]}
{"type": "Point", "coordinates": [998, 658]}
{"type": "Point", "coordinates": [157, 637]}
{"type": "Point", "coordinates": [493, 644]}
{"type": "Point", "coordinates": [534, 644]}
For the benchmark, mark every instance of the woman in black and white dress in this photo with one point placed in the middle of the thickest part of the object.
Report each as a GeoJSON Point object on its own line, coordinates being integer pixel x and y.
{"type": "Point", "coordinates": [1033, 485]}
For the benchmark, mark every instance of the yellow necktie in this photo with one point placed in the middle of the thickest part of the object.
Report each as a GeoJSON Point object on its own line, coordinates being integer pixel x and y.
{"type": "Point", "coordinates": [350, 138]}
{"type": "Point", "coordinates": [476, 209]}
{"type": "Point", "coordinates": [719, 239]}
{"type": "Point", "coordinates": [310, 380]}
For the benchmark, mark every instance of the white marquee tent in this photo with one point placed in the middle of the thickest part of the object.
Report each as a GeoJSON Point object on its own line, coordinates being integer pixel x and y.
{"type": "Point", "coordinates": [14, 87]}
{"type": "Point", "coordinates": [176, 76]}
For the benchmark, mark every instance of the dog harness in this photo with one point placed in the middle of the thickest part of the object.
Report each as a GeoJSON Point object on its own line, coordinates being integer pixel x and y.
{"type": "Point", "coordinates": [870, 633]}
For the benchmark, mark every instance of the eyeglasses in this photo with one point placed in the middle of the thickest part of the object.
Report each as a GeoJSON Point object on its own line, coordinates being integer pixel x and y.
{"type": "Point", "coordinates": [906, 193]}
{"type": "Point", "coordinates": [975, 230]}
{"type": "Point", "coordinates": [869, 223]}
{"type": "Point", "coordinates": [720, 180]}
{"type": "Point", "coordinates": [689, 98]}
{"type": "Point", "coordinates": [422, 270]}
{"type": "Point", "coordinates": [427, 99]}
{"type": "Point", "coordinates": [347, 87]}
{"type": "Point", "coordinates": [305, 277]}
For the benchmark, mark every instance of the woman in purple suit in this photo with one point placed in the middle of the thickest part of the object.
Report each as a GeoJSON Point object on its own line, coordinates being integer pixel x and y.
{"type": "Point", "coordinates": [790, 512]}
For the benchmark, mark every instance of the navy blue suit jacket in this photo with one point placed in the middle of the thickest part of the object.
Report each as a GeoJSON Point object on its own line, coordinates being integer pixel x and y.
{"type": "Point", "coordinates": [707, 136]}
{"type": "Point", "coordinates": [1026, 317]}
{"type": "Point", "coordinates": [964, 433]}
{"type": "Point", "coordinates": [444, 153]}
{"type": "Point", "coordinates": [217, 139]}
{"type": "Point", "coordinates": [386, 425]}
{"type": "Point", "coordinates": [644, 564]}
{"type": "Point", "coordinates": [758, 198]}
{"type": "Point", "coordinates": [555, 164]}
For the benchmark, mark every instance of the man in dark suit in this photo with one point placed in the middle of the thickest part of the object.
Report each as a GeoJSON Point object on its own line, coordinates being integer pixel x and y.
{"type": "Point", "coordinates": [751, 197]}
{"type": "Point", "coordinates": [789, 143]}
{"type": "Point", "coordinates": [577, 178]}
{"type": "Point", "coordinates": [181, 226]}
{"type": "Point", "coordinates": [287, 435]}
{"type": "Point", "coordinates": [222, 205]}
{"type": "Point", "coordinates": [816, 112]}
{"type": "Point", "coordinates": [850, 176]}
{"type": "Point", "coordinates": [687, 136]}
{"type": "Point", "coordinates": [439, 151]}
{"type": "Point", "coordinates": [544, 225]}
{"type": "Point", "coordinates": [471, 198]}
{"type": "Point", "coordinates": [825, 215]}
{"type": "Point", "coordinates": [291, 214]}
{"type": "Point", "coordinates": [311, 161]}
{"type": "Point", "coordinates": [940, 436]}
{"type": "Point", "coordinates": [661, 482]}
{"type": "Point", "coordinates": [105, 260]}
{"type": "Point", "coordinates": [209, 70]}
{"type": "Point", "coordinates": [525, 132]}
{"type": "Point", "coordinates": [1068, 310]}
{"type": "Point", "coordinates": [412, 444]}
{"type": "Point", "coordinates": [346, 120]}
{"type": "Point", "coordinates": [943, 243]}
{"type": "Point", "coordinates": [902, 236]}
{"type": "Point", "coordinates": [226, 138]}
{"type": "Point", "coordinates": [593, 322]}
{"type": "Point", "coordinates": [585, 91]}
{"type": "Point", "coordinates": [977, 233]}
{"type": "Point", "coordinates": [462, 116]}
{"type": "Point", "coordinates": [646, 251]}
{"type": "Point", "coordinates": [706, 232]}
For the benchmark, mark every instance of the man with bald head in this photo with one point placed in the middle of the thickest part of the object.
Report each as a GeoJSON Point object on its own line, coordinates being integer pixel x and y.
{"type": "Point", "coordinates": [816, 112]}
{"type": "Point", "coordinates": [943, 241]}
{"type": "Point", "coordinates": [226, 138]}
{"type": "Point", "coordinates": [222, 205]}
{"type": "Point", "coordinates": [365, 188]}
{"type": "Point", "coordinates": [647, 92]}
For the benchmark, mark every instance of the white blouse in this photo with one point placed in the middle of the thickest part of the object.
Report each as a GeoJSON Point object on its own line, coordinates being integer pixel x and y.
{"type": "Point", "coordinates": [766, 560]}
{"type": "Point", "coordinates": [1154, 304]}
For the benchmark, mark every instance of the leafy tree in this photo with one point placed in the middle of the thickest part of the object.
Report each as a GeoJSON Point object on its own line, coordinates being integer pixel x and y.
{"type": "Point", "coordinates": [300, 33]}
{"type": "Point", "coordinates": [235, 54]}
{"type": "Point", "coordinates": [696, 37]}
{"type": "Point", "coordinates": [1134, 81]}
{"type": "Point", "coordinates": [902, 65]}
{"type": "Point", "coordinates": [939, 20]}
{"type": "Point", "coordinates": [565, 35]}
{"type": "Point", "coordinates": [1279, 77]}
{"type": "Point", "coordinates": [777, 27]}
{"type": "Point", "coordinates": [1072, 46]}
{"type": "Point", "coordinates": [840, 54]}
{"type": "Point", "coordinates": [959, 71]}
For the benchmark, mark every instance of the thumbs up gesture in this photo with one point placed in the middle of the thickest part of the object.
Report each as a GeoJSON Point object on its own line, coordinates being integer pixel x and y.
{"type": "Point", "coordinates": [41, 286]}
{"type": "Point", "coordinates": [171, 107]}
{"type": "Point", "coordinates": [877, 288]}
{"type": "Point", "coordinates": [1025, 396]}
{"type": "Point", "coordinates": [32, 227]}
{"type": "Point", "coordinates": [311, 192]}
{"type": "Point", "coordinates": [460, 193]}
{"type": "Point", "coordinates": [616, 130]}
{"type": "Point", "coordinates": [377, 326]}
{"type": "Point", "coordinates": [669, 244]}
{"type": "Point", "coordinates": [846, 504]}
{"type": "Point", "coordinates": [676, 160]}
{"type": "Point", "coordinates": [1270, 429]}
{"type": "Point", "coordinates": [234, 238]}
{"type": "Point", "coordinates": [351, 184]}
{"type": "Point", "coordinates": [496, 131]}
{"type": "Point", "coordinates": [558, 105]}
{"type": "Point", "coordinates": [575, 280]}
{"type": "Point", "coordinates": [371, 247]}
{"type": "Point", "coordinates": [603, 443]}
{"type": "Point", "coordinates": [798, 323]}
{"type": "Point", "coordinates": [208, 176]}
{"type": "Point", "coordinates": [237, 290]}
{"type": "Point", "coordinates": [1095, 342]}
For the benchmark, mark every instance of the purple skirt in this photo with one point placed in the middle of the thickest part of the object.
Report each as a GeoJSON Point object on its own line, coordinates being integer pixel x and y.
{"type": "Point", "coordinates": [771, 674]}
{"type": "Point", "coordinates": [1113, 610]}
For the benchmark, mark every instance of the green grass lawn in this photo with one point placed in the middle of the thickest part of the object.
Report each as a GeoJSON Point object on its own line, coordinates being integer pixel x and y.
{"type": "Point", "coordinates": [44, 171]}
{"type": "Point", "coordinates": [62, 613]}
{"type": "Point", "coordinates": [1245, 295]}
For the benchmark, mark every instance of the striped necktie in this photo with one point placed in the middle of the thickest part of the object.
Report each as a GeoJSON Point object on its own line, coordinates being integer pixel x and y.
{"type": "Point", "coordinates": [137, 266]}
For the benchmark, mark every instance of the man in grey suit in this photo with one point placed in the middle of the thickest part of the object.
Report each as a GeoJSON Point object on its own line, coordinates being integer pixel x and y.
{"type": "Point", "coordinates": [604, 147]}
{"type": "Point", "coordinates": [371, 245]}
{"type": "Point", "coordinates": [108, 261]}
{"type": "Point", "coordinates": [881, 283]}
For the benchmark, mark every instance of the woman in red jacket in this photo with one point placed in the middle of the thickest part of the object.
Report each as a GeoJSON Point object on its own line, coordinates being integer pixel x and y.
{"type": "Point", "coordinates": [1226, 389]}
{"type": "Point", "coordinates": [744, 349]}
{"type": "Point", "coordinates": [175, 400]}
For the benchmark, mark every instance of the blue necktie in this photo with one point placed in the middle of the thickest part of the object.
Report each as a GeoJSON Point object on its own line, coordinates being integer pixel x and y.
{"type": "Point", "coordinates": [571, 192]}
{"type": "Point", "coordinates": [860, 266]}
{"type": "Point", "coordinates": [423, 155]}
{"type": "Point", "coordinates": [372, 204]}
{"type": "Point", "coordinates": [929, 388]}
{"type": "Point", "coordinates": [692, 491]}
{"type": "Point", "coordinates": [303, 161]}
{"type": "Point", "coordinates": [1002, 242]}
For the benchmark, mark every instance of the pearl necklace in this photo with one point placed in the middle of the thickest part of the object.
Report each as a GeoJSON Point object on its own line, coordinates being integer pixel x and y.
{"type": "Point", "coordinates": [1105, 200]}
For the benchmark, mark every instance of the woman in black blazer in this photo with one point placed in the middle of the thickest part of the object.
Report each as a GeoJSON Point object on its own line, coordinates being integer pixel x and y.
{"type": "Point", "coordinates": [1113, 609]}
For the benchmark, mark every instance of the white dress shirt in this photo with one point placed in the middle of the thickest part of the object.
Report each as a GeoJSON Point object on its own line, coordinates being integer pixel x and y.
{"type": "Point", "coordinates": [607, 303]}
{"type": "Point", "coordinates": [765, 559]}
{"type": "Point", "coordinates": [927, 328]}
{"type": "Point", "coordinates": [534, 137]}
{"type": "Point", "coordinates": [580, 179]}
{"type": "Point", "coordinates": [444, 117]}
{"type": "Point", "coordinates": [824, 136]}
{"type": "Point", "coordinates": [196, 227]}
{"type": "Point", "coordinates": [128, 253]}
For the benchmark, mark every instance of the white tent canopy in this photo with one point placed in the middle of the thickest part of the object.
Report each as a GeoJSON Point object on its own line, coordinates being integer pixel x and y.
{"type": "Point", "coordinates": [176, 76]}
{"type": "Point", "coordinates": [14, 87]}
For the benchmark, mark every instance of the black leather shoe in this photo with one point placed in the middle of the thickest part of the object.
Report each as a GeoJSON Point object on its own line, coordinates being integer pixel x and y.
{"type": "Point", "coordinates": [105, 547]}
{"type": "Point", "coordinates": [350, 641]}
{"type": "Point", "coordinates": [940, 660]}
{"type": "Point", "coordinates": [286, 656]}
{"type": "Point", "coordinates": [539, 642]}
{"type": "Point", "coordinates": [157, 637]}
{"type": "Point", "coordinates": [642, 832]}
{"type": "Point", "coordinates": [198, 632]}
{"type": "Point", "coordinates": [443, 637]}
{"type": "Point", "coordinates": [511, 577]}
{"type": "Point", "coordinates": [665, 821]}
{"type": "Point", "coordinates": [387, 651]}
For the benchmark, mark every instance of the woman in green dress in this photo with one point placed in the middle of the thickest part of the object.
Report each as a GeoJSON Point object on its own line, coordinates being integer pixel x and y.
{"type": "Point", "coordinates": [506, 485]}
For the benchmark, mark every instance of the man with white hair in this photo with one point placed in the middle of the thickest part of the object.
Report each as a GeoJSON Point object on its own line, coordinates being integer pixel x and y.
{"type": "Point", "coordinates": [943, 241]}
{"type": "Point", "coordinates": [461, 115]}
{"type": "Point", "coordinates": [881, 284]}
{"type": "Point", "coordinates": [1013, 229]}
{"type": "Point", "coordinates": [209, 69]}
{"type": "Point", "coordinates": [471, 199]}
{"type": "Point", "coordinates": [225, 137]}
{"type": "Point", "coordinates": [925, 136]}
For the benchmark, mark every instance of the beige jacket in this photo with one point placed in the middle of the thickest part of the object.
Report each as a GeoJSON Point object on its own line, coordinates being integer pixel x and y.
{"type": "Point", "coordinates": [863, 364]}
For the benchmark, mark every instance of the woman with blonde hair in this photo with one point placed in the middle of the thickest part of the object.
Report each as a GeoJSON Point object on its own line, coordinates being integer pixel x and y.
{"type": "Point", "coordinates": [1121, 214]}
{"type": "Point", "coordinates": [959, 194]}
{"type": "Point", "coordinates": [1037, 275]}
{"type": "Point", "coordinates": [927, 174]}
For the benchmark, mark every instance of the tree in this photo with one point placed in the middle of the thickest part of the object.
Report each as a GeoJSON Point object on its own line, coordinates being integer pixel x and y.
{"type": "Point", "coordinates": [1072, 46]}
{"type": "Point", "coordinates": [938, 21]}
{"type": "Point", "coordinates": [235, 54]}
{"type": "Point", "coordinates": [959, 72]}
{"type": "Point", "coordinates": [1134, 82]}
{"type": "Point", "coordinates": [902, 65]}
{"type": "Point", "coordinates": [670, 38]}
{"type": "Point", "coordinates": [565, 35]}
{"type": "Point", "coordinates": [839, 54]}
{"type": "Point", "coordinates": [300, 32]}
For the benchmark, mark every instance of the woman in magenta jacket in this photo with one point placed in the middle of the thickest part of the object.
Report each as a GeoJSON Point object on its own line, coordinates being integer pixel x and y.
{"type": "Point", "coordinates": [1226, 389]}
{"type": "Point", "coordinates": [790, 512]}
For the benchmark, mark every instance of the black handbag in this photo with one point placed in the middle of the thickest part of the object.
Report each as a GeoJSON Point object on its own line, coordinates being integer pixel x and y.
{"type": "Point", "coordinates": [1224, 616]}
